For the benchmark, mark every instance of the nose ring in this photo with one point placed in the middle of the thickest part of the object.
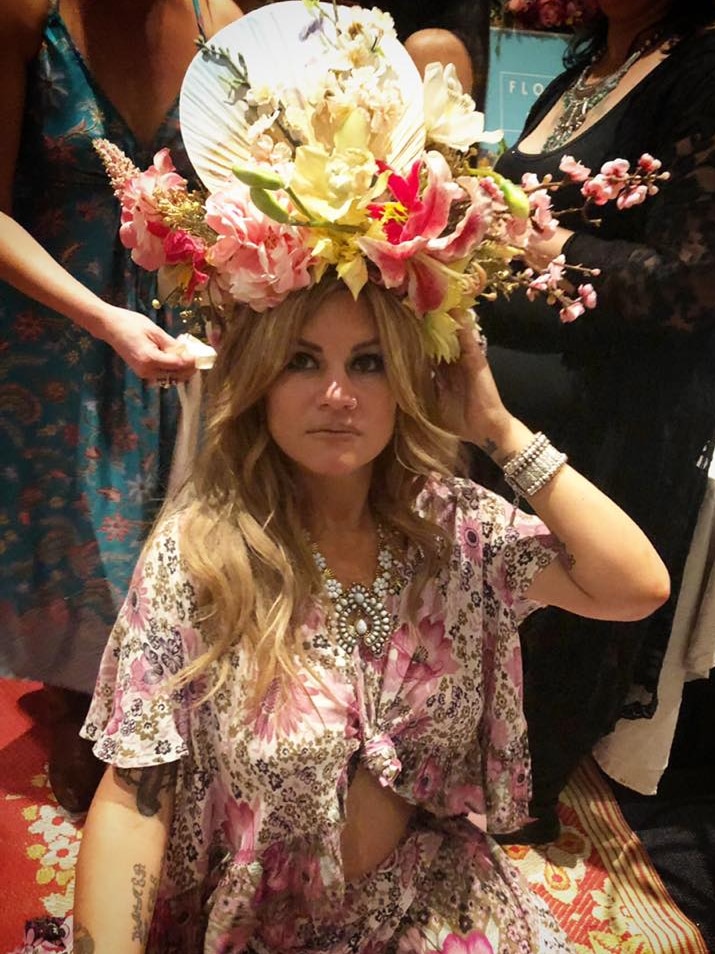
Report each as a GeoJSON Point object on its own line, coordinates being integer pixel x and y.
{"type": "Point", "coordinates": [351, 403]}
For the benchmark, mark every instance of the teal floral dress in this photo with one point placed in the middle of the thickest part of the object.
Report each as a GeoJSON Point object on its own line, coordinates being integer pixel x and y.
{"type": "Point", "coordinates": [86, 444]}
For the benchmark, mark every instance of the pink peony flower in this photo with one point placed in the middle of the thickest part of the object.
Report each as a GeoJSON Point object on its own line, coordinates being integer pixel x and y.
{"type": "Point", "coordinates": [258, 261]}
{"type": "Point", "coordinates": [142, 229]}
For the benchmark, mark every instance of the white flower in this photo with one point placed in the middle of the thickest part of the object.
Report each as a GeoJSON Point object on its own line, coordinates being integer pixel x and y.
{"type": "Point", "coordinates": [52, 824]}
{"type": "Point", "coordinates": [451, 118]}
{"type": "Point", "coordinates": [62, 853]}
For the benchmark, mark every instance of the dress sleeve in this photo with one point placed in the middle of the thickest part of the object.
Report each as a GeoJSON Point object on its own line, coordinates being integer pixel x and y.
{"type": "Point", "coordinates": [665, 279]}
{"type": "Point", "coordinates": [138, 717]}
{"type": "Point", "coordinates": [512, 545]}
{"type": "Point", "coordinates": [498, 550]}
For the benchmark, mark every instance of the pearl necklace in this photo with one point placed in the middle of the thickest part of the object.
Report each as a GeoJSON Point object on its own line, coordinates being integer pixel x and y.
{"type": "Point", "coordinates": [359, 613]}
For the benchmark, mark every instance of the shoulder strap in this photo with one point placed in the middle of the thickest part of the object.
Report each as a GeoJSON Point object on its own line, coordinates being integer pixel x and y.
{"type": "Point", "coordinates": [199, 18]}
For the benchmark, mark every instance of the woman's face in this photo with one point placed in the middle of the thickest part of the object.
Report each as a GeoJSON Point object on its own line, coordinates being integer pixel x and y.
{"type": "Point", "coordinates": [332, 410]}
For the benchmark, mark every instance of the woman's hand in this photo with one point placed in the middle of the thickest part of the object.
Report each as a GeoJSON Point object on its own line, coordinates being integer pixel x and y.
{"type": "Point", "coordinates": [148, 350]}
{"type": "Point", "coordinates": [542, 251]}
{"type": "Point", "coordinates": [470, 402]}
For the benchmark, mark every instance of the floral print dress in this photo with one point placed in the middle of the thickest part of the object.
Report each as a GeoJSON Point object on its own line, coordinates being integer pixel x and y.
{"type": "Point", "coordinates": [86, 443]}
{"type": "Point", "coordinates": [253, 860]}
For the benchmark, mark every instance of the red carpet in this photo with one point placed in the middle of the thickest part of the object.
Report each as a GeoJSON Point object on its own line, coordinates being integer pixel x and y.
{"type": "Point", "coordinates": [597, 878]}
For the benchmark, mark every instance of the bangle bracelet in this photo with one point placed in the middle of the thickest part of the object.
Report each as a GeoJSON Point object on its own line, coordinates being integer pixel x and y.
{"type": "Point", "coordinates": [533, 467]}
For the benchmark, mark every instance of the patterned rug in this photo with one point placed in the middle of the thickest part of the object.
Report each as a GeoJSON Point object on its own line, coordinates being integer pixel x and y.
{"type": "Point", "coordinates": [596, 878]}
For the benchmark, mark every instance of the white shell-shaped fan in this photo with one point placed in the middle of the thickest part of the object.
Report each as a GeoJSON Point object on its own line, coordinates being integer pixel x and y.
{"type": "Point", "coordinates": [279, 52]}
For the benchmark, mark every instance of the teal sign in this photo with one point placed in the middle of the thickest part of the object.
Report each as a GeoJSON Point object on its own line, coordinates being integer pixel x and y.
{"type": "Point", "coordinates": [521, 65]}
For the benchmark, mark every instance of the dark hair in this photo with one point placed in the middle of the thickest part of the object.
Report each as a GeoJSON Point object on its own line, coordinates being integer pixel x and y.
{"type": "Point", "coordinates": [682, 20]}
{"type": "Point", "coordinates": [467, 19]}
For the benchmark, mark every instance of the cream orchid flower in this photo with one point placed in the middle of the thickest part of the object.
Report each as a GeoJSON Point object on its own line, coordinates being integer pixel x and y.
{"type": "Point", "coordinates": [451, 117]}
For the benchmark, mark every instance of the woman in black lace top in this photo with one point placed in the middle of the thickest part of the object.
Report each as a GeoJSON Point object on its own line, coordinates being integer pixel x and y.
{"type": "Point", "coordinates": [628, 390]}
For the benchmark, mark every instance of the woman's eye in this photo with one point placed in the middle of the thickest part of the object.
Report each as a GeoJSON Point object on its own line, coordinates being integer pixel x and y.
{"type": "Point", "coordinates": [370, 363]}
{"type": "Point", "coordinates": [301, 361]}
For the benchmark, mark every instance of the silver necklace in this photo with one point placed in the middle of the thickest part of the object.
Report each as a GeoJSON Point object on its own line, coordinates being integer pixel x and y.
{"type": "Point", "coordinates": [581, 97]}
{"type": "Point", "coordinates": [359, 613]}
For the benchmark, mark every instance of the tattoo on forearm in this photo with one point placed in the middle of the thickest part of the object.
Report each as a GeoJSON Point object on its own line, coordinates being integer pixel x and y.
{"type": "Point", "coordinates": [140, 923]}
{"type": "Point", "coordinates": [489, 447]}
{"type": "Point", "coordinates": [567, 559]}
{"type": "Point", "coordinates": [149, 783]}
{"type": "Point", "coordinates": [83, 940]}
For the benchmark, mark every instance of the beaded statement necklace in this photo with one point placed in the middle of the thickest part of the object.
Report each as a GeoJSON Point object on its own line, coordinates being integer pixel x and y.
{"type": "Point", "coordinates": [581, 97]}
{"type": "Point", "coordinates": [359, 613]}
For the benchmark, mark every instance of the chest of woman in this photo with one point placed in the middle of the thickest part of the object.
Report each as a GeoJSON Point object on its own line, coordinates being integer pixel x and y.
{"type": "Point", "coordinates": [408, 718]}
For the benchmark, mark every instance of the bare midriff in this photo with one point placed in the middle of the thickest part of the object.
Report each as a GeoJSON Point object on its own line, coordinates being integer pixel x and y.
{"type": "Point", "coordinates": [376, 821]}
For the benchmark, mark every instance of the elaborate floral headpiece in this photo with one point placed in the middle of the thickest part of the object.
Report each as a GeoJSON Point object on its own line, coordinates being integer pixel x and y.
{"type": "Point", "coordinates": [320, 146]}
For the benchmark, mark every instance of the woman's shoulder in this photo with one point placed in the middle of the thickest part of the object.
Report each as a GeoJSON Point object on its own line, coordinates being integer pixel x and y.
{"type": "Point", "coordinates": [447, 497]}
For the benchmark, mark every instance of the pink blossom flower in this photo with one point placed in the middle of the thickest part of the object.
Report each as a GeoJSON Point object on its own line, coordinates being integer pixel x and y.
{"type": "Point", "coordinates": [600, 189]}
{"type": "Point", "coordinates": [258, 261]}
{"type": "Point", "coordinates": [530, 181]}
{"type": "Point", "coordinates": [547, 281]}
{"type": "Point", "coordinates": [648, 164]}
{"type": "Point", "coordinates": [541, 214]}
{"type": "Point", "coordinates": [632, 195]}
{"type": "Point", "coordinates": [587, 295]}
{"type": "Point", "coordinates": [572, 311]}
{"type": "Point", "coordinates": [574, 170]}
{"type": "Point", "coordinates": [615, 169]}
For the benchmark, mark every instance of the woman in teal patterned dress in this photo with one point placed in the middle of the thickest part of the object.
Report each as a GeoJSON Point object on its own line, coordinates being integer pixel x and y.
{"type": "Point", "coordinates": [86, 434]}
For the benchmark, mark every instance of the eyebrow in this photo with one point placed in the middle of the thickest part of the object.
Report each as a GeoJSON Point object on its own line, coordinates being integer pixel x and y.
{"type": "Point", "coordinates": [311, 346]}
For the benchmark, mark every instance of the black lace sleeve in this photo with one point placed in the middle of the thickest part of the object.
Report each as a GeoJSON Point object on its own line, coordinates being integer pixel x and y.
{"type": "Point", "coordinates": [666, 278]}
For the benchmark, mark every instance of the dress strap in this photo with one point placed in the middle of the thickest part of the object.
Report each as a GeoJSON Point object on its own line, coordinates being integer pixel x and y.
{"type": "Point", "coordinates": [199, 18]}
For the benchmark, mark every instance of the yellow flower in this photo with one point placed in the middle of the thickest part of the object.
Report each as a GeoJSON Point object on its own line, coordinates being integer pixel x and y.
{"type": "Point", "coordinates": [334, 186]}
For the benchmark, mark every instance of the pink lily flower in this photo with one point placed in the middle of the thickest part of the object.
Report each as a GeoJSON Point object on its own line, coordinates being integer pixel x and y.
{"type": "Point", "coordinates": [416, 253]}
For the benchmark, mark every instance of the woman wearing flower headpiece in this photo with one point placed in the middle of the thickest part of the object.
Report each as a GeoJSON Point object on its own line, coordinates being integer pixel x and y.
{"type": "Point", "coordinates": [629, 389]}
{"type": "Point", "coordinates": [86, 432]}
{"type": "Point", "coordinates": [316, 674]}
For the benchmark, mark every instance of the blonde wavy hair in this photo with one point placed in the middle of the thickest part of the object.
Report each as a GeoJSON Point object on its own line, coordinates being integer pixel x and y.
{"type": "Point", "coordinates": [242, 537]}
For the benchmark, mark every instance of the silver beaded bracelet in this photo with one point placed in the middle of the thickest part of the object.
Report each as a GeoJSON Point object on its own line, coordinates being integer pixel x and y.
{"type": "Point", "coordinates": [534, 466]}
